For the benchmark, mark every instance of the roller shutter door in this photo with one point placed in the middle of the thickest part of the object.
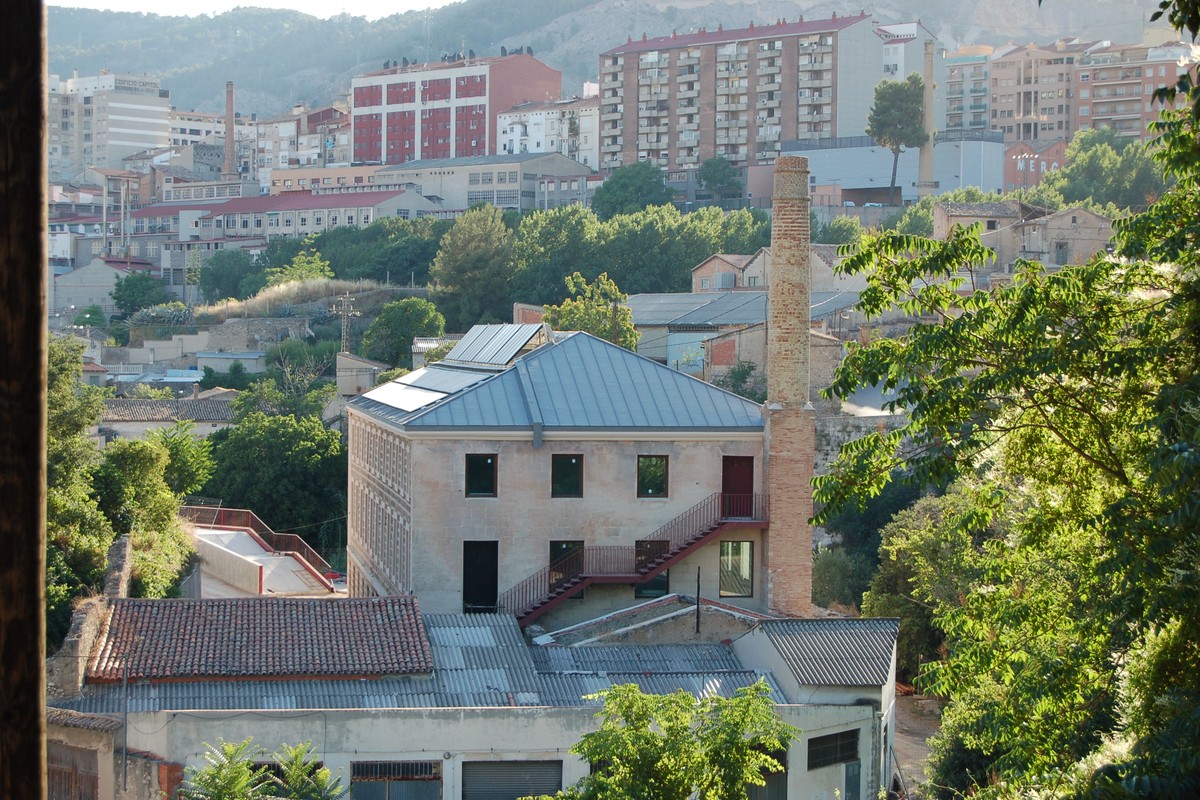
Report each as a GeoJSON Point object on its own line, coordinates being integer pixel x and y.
{"type": "Point", "coordinates": [508, 780]}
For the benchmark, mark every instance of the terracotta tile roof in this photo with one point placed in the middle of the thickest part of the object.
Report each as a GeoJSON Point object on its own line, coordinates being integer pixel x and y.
{"type": "Point", "coordinates": [131, 409]}
{"type": "Point", "coordinates": [256, 638]}
{"type": "Point", "coordinates": [66, 718]}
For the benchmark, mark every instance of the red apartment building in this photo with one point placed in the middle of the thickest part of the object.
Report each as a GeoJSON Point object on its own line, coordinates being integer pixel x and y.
{"type": "Point", "coordinates": [1116, 86]}
{"type": "Point", "coordinates": [418, 112]}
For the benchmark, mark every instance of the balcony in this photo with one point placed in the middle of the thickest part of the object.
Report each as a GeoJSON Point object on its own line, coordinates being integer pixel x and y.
{"type": "Point", "coordinates": [633, 564]}
{"type": "Point", "coordinates": [684, 94]}
{"type": "Point", "coordinates": [978, 90]}
{"type": "Point", "coordinates": [978, 106]}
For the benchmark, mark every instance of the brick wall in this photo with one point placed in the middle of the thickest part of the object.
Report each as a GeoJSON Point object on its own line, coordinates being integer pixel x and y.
{"type": "Point", "coordinates": [790, 416]}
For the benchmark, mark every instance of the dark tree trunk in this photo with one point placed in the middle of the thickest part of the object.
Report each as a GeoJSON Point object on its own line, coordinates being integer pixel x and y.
{"type": "Point", "coordinates": [895, 163]}
{"type": "Point", "coordinates": [22, 403]}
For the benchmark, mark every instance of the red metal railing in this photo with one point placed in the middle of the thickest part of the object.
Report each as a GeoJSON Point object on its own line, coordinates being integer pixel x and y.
{"type": "Point", "coordinates": [277, 542]}
{"type": "Point", "coordinates": [638, 562]}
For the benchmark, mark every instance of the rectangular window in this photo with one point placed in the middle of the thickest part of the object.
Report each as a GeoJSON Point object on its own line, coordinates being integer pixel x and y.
{"type": "Point", "coordinates": [396, 780]}
{"type": "Point", "coordinates": [737, 569]}
{"type": "Point", "coordinates": [652, 476]}
{"type": "Point", "coordinates": [481, 475]}
{"type": "Point", "coordinates": [566, 475]}
{"type": "Point", "coordinates": [836, 748]}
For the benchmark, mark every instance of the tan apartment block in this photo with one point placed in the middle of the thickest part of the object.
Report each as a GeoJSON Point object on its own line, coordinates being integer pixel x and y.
{"type": "Point", "coordinates": [678, 100]}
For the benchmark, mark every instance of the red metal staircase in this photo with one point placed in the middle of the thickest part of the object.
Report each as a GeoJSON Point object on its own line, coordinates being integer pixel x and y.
{"type": "Point", "coordinates": [632, 564]}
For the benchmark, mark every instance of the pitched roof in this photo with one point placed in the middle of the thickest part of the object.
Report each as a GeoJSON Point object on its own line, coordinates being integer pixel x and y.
{"type": "Point", "coordinates": [581, 382]}
{"type": "Point", "coordinates": [128, 409]}
{"type": "Point", "coordinates": [479, 661]}
{"type": "Point", "coordinates": [836, 652]}
{"type": "Point", "coordinates": [74, 719]}
{"type": "Point", "coordinates": [720, 35]}
{"type": "Point", "coordinates": [268, 637]}
{"type": "Point", "coordinates": [575, 382]}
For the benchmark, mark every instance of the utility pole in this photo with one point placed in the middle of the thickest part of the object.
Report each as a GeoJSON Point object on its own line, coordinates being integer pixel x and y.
{"type": "Point", "coordinates": [344, 309]}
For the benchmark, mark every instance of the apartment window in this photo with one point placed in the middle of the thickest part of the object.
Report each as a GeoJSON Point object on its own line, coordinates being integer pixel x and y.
{"type": "Point", "coordinates": [481, 474]}
{"type": "Point", "coordinates": [652, 476]}
{"type": "Point", "coordinates": [836, 748]}
{"type": "Point", "coordinates": [566, 475]}
{"type": "Point", "coordinates": [737, 569]}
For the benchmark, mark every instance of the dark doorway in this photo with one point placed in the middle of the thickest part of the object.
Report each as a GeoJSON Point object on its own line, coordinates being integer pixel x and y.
{"type": "Point", "coordinates": [480, 573]}
{"type": "Point", "coordinates": [737, 486]}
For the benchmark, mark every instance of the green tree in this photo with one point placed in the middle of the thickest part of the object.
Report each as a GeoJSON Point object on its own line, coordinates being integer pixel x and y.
{"type": "Point", "coordinates": [144, 391]}
{"type": "Point", "coordinates": [298, 398]}
{"type": "Point", "coordinates": [131, 488]}
{"type": "Point", "coordinates": [841, 230]}
{"type": "Point", "coordinates": [1068, 403]}
{"type": "Point", "coordinates": [307, 265]}
{"type": "Point", "coordinates": [630, 189]}
{"type": "Point", "coordinates": [550, 246]}
{"type": "Point", "coordinates": [235, 377]}
{"type": "Point", "coordinates": [719, 176]}
{"type": "Point", "coordinates": [666, 747]}
{"type": "Point", "coordinates": [230, 773]}
{"type": "Point", "coordinates": [597, 308]}
{"type": "Point", "coordinates": [1103, 168]}
{"type": "Point", "coordinates": [290, 471]}
{"type": "Point", "coordinates": [77, 532]}
{"type": "Point", "coordinates": [224, 274]}
{"type": "Point", "coordinates": [90, 317]}
{"type": "Point", "coordinates": [189, 457]}
{"type": "Point", "coordinates": [390, 335]}
{"type": "Point", "coordinates": [472, 270]}
{"type": "Point", "coordinates": [743, 379]}
{"type": "Point", "coordinates": [897, 119]}
{"type": "Point", "coordinates": [139, 290]}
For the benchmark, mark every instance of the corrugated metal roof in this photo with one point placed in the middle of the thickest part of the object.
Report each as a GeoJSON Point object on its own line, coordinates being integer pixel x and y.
{"type": "Point", "coordinates": [636, 658]}
{"type": "Point", "coordinates": [661, 309]}
{"type": "Point", "coordinates": [729, 308]}
{"type": "Point", "coordinates": [492, 345]}
{"type": "Point", "coordinates": [480, 660]}
{"type": "Point", "coordinates": [836, 652]}
{"type": "Point", "coordinates": [582, 382]}
{"type": "Point", "coordinates": [719, 309]}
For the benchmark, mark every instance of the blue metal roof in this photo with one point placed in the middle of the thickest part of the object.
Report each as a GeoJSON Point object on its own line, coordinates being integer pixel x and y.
{"type": "Point", "coordinates": [582, 382]}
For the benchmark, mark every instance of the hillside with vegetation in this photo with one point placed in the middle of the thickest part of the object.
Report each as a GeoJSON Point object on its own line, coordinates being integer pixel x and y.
{"type": "Point", "coordinates": [280, 58]}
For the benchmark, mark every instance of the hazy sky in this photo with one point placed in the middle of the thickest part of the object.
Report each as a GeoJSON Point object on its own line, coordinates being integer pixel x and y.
{"type": "Point", "coordinates": [371, 9]}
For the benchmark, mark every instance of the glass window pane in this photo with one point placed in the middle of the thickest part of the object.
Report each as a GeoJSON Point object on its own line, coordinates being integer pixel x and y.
{"type": "Point", "coordinates": [566, 476]}
{"type": "Point", "coordinates": [737, 569]}
{"type": "Point", "coordinates": [652, 476]}
{"type": "Point", "coordinates": [481, 475]}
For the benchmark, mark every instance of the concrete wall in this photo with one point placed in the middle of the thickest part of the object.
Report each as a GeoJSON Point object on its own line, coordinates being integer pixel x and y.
{"type": "Point", "coordinates": [455, 736]}
{"type": "Point", "coordinates": [230, 567]}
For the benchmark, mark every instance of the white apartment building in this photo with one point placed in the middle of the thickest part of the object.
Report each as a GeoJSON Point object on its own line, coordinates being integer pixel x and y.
{"type": "Point", "coordinates": [570, 127]}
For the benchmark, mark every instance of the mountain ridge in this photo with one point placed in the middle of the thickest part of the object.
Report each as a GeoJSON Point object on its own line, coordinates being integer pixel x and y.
{"type": "Point", "coordinates": [299, 58]}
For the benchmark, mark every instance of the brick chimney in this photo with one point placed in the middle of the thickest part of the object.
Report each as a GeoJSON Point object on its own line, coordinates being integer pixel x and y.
{"type": "Point", "coordinates": [229, 169]}
{"type": "Point", "coordinates": [791, 420]}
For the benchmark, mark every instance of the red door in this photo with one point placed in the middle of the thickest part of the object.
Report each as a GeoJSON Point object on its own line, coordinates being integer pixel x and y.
{"type": "Point", "coordinates": [737, 486]}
